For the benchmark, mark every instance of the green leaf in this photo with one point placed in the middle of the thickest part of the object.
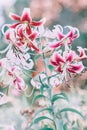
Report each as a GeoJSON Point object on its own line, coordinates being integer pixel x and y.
{"type": "Point", "coordinates": [38, 119]}
{"type": "Point", "coordinates": [71, 110]}
{"type": "Point", "coordinates": [59, 96]}
{"type": "Point", "coordinates": [37, 97]}
{"type": "Point", "coordinates": [44, 109]}
{"type": "Point", "coordinates": [46, 128]}
{"type": "Point", "coordinates": [65, 127]}
{"type": "Point", "coordinates": [37, 57]}
{"type": "Point", "coordinates": [51, 68]}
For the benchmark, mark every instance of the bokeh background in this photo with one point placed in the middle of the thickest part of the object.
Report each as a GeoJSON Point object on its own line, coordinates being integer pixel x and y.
{"type": "Point", "coordinates": [63, 12]}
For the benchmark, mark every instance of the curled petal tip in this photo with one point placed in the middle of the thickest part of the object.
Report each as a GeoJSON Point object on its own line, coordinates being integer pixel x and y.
{"type": "Point", "coordinates": [38, 23]}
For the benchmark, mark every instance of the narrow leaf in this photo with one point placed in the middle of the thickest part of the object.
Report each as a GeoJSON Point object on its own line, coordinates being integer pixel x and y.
{"type": "Point", "coordinates": [38, 97]}
{"type": "Point", "coordinates": [71, 110]}
{"type": "Point", "coordinates": [59, 96]}
{"type": "Point", "coordinates": [45, 128]}
{"type": "Point", "coordinates": [38, 119]}
{"type": "Point", "coordinates": [49, 109]}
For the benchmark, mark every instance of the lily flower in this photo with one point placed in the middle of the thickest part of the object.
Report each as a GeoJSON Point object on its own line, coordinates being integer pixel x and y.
{"type": "Point", "coordinates": [82, 54]}
{"type": "Point", "coordinates": [20, 36]}
{"type": "Point", "coordinates": [66, 63]}
{"type": "Point", "coordinates": [64, 38]}
{"type": "Point", "coordinates": [25, 18]}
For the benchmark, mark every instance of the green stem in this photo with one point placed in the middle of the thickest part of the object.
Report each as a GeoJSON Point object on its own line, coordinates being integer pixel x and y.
{"type": "Point", "coordinates": [50, 93]}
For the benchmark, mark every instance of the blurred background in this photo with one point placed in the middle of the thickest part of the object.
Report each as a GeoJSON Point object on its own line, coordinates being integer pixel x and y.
{"type": "Point", "coordinates": [63, 12]}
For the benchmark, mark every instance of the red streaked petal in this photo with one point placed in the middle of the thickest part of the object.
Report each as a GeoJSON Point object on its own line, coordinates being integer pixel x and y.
{"type": "Point", "coordinates": [1, 63]}
{"type": "Point", "coordinates": [59, 69]}
{"type": "Point", "coordinates": [20, 87]}
{"type": "Point", "coordinates": [19, 43]}
{"type": "Point", "coordinates": [7, 35]}
{"type": "Point", "coordinates": [26, 15]}
{"type": "Point", "coordinates": [81, 52]}
{"type": "Point", "coordinates": [75, 36]}
{"type": "Point", "coordinates": [75, 68]}
{"type": "Point", "coordinates": [28, 30]}
{"type": "Point", "coordinates": [14, 16]}
{"type": "Point", "coordinates": [18, 79]}
{"type": "Point", "coordinates": [38, 23]}
{"type": "Point", "coordinates": [13, 25]}
{"type": "Point", "coordinates": [60, 35]}
{"type": "Point", "coordinates": [58, 58]}
{"type": "Point", "coordinates": [71, 70]}
{"type": "Point", "coordinates": [20, 32]}
{"type": "Point", "coordinates": [70, 56]}
{"type": "Point", "coordinates": [55, 45]}
{"type": "Point", "coordinates": [33, 36]}
{"type": "Point", "coordinates": [31, 45]}
{"type": "Point", "coordinates": [70, 34]}
{"type": "Point", "coordinates": [53, 62]}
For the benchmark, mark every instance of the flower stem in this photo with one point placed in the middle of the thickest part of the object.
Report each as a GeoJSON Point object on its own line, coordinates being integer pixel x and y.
{"type": "Point", "coordinates": [50, 92]}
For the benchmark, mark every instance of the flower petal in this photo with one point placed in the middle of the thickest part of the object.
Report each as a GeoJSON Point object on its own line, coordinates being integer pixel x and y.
{"type": "Point", "coordinates": [26, 15]}
{"type": "Point", "coordinates": [82, 54]}
{"type": "Point", "coordinates": [28, 30]}
{"type": "Point", "coordinates": [14, 16]}
{"type": "Point", "coordinates": [20, 32]}
{"type": "Point", "coordinates": [59, 69]}
{"type": "Point", "coordinates": [75, 68]}
{"type": "Point", "coordinates": [58, 58]}
{"type": "Point", "coordinates": [7, 35]}
{"type": "Point", "coordinates": [33, 36]}
{"type": "Point", "coordinates": [60, 35]}
{"type": "Point", "coordinates": [55, 45]}
{"type": "Point", "coordinates": [38, 23]}
{"type": "Point", "coordinates": [70, 56]}
{"type": "Point", "coordinates": [53, 62]}
{"type": "Point", "coordinates": [31, 45]}
{"type": "Point", "coordinates": [13, 25]}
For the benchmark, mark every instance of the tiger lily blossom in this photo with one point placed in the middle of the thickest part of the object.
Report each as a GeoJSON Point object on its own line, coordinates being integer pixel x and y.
{"type": "Point", "coordinates": [20, 36]}
{"type": "Point", "coordinates": [23, 30]}
{"type": "Point", "coordinates": [25, 18]}
{"type": "Point", "coordinates": [66, 63]}
{"type": "Point", "coordinates": [64, 38]}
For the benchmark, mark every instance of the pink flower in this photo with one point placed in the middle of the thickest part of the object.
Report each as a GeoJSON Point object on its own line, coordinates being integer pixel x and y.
{"type": "Point", "coordinates": [19, 83]}
{"type": "Point", "coordinates": [22, 32]}
{"type": "Point", "coordinates": [65, 38]}
{"type": "Point", "coordinates": [66, 63]}
{"type": "Point", "coordinates": [20, 36]}
{"type": "Point", "coordinates": [82, 54]}
{"type": "Point", "coordinates": [25, 18]}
